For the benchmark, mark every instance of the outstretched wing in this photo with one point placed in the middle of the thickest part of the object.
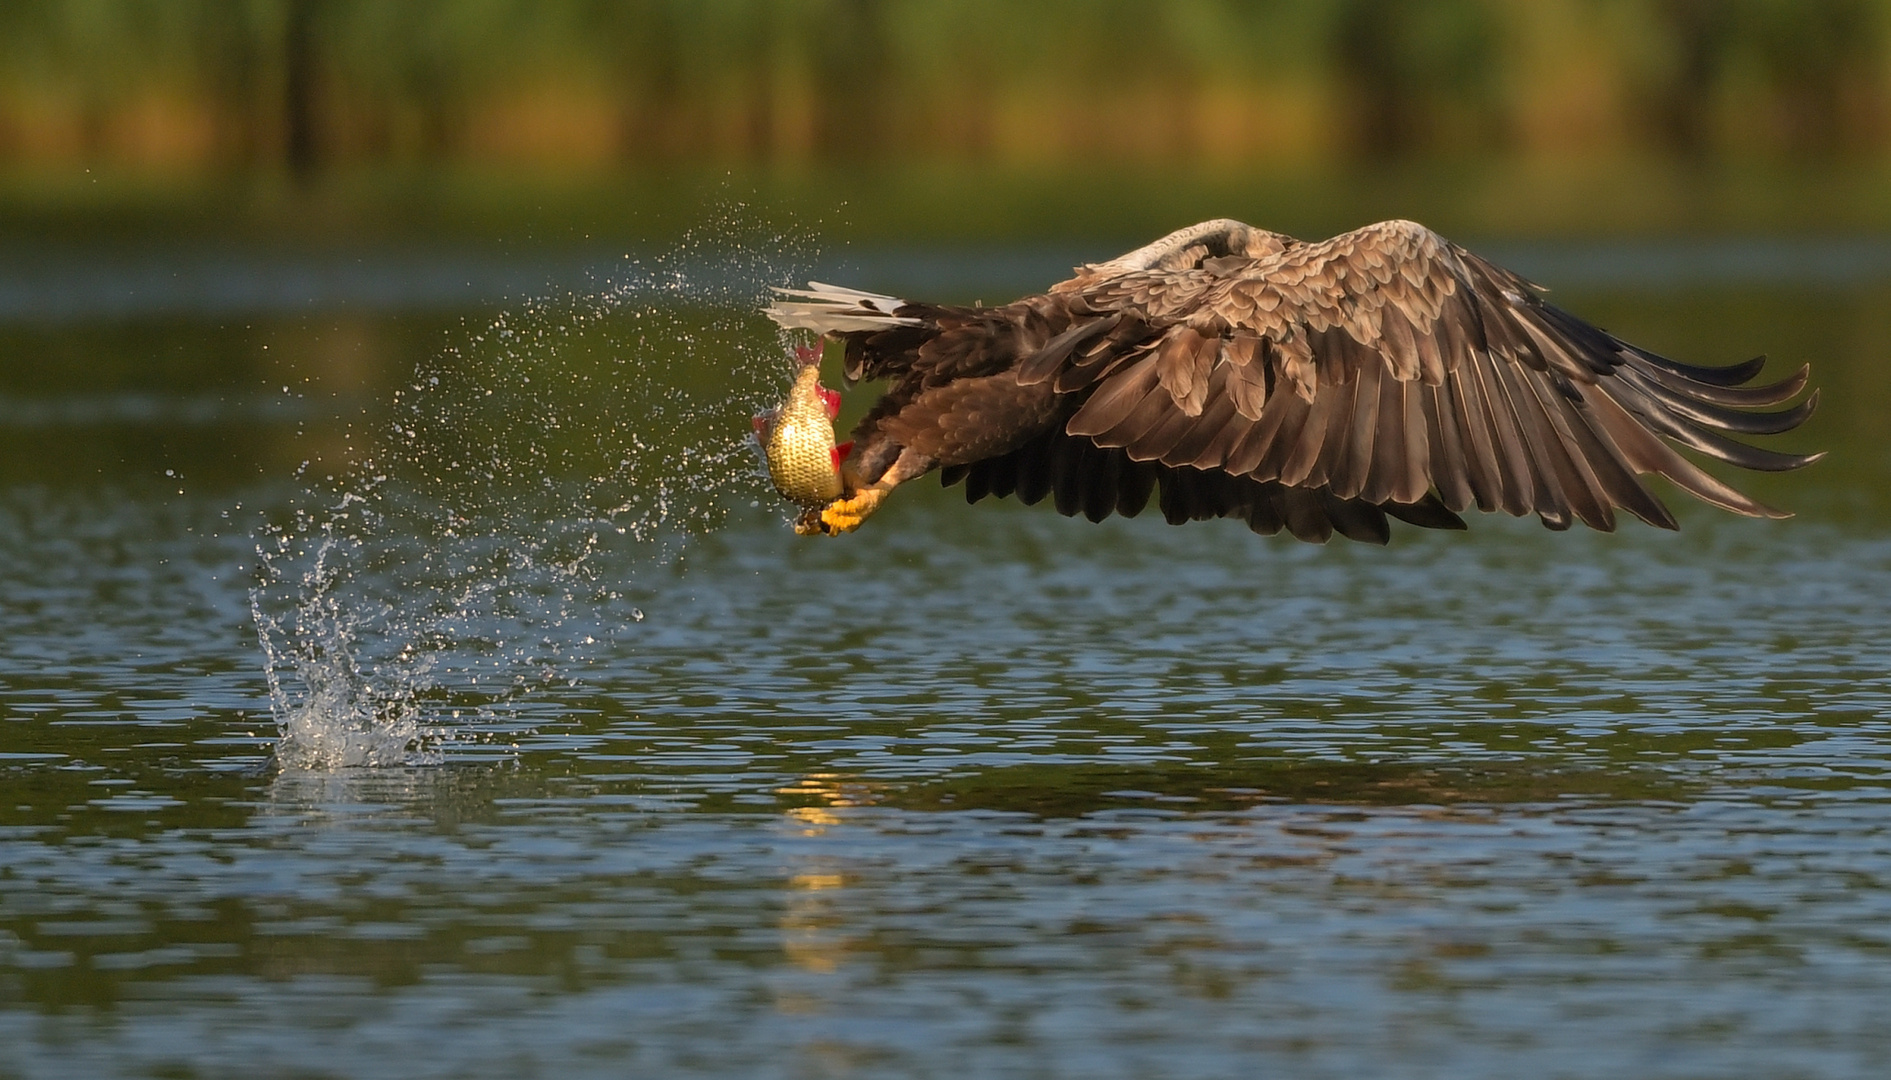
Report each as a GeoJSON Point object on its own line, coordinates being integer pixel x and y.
{"type": "Point", "coordinates": [1080, 477]}
{"type": "Point", "coordinates": [1388, 363]}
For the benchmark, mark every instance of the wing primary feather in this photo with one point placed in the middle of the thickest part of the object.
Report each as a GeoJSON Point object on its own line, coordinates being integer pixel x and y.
{"type": "Point", "coordinates": [1350, 472]}
{"type": "Point", "coordinates": [1719, 446]}
{"type": "Point", "coordinates": [1551, 501]}
{"type": "Point", "coordinates": [1647, 453]}
{"type": "Point", "coordinates": [1386, 470]}
{"type": "Point", "coordinates": [1715, 416]}
{"type": "Point", "coordinates": [1614, 476]}
{"type": "Point", "coordinates": [1514, 495]}
{"type": "Point", "coordinates": [1739, 397]}
{"type": "Point", "coordinates": [1416, 477]}
{"type": "Point", "coordinates": [1731, 375]}
{"type": "Point", "coordinates": [1449, 473]}
{"type": "Point", "coordinates": [1480, 456]}
{"type": "Point", "coordinates": [1575, 477]}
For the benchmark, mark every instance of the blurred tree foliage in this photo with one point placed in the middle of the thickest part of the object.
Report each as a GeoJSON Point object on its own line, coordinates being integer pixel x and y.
{"type": "Point", "coordinates": [209, 85]}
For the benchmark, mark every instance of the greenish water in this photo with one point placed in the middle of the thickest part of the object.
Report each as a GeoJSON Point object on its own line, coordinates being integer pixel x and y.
{"type": "Point", "coordinates": [975, 791]}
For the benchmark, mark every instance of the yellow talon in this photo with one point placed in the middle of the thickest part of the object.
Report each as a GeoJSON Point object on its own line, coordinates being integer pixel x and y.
{"type": "Point", "coordinates": [841, 515]}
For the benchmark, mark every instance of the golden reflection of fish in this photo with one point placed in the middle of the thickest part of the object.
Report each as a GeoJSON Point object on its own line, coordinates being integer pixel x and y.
{"type": "Point", "coordinates": [797, 439]}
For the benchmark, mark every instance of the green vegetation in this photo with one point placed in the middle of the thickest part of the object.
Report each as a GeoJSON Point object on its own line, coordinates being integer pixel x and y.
{"type": "Point", "coordinates": [336, 115]}
{"type": "Point", "coordinates": [305, 83]}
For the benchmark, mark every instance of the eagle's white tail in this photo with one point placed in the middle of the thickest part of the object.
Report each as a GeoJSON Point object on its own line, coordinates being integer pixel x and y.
{"type": "Point", "coordinates": [831, 309]}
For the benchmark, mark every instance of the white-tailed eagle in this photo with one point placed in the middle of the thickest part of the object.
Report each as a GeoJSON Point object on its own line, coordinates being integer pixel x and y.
{"type": "Point", "coordinates": [1227, 371]}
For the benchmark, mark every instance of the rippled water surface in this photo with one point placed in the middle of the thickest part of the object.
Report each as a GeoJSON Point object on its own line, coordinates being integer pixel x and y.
{"type": "Point", "coordinates": [973, 792]}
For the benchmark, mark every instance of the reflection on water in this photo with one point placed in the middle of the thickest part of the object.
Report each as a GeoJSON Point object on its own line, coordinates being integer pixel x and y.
{"type": "Point", "coordinates": [972, 792]}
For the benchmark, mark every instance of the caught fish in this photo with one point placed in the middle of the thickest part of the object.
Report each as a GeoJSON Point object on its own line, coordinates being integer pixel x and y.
{"type": "Point", "coordinates": [797, 439]}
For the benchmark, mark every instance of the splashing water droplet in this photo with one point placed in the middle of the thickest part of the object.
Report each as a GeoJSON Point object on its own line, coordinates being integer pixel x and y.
{"type": "Point", "coordinates": [489, 545]}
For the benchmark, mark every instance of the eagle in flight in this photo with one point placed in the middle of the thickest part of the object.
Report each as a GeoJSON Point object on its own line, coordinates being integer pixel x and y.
{"type": "Point", "coordinates": [1230, 372]}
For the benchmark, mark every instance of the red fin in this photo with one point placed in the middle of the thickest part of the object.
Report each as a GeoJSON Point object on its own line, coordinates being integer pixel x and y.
{"type": "Point", "coordinates": [831, 399]}
{"type": "Point", "coordinates": [840, 454]}
{"type": "Point", "coordinates": [760, 421]}
{"type": "Point", "coordinates": [805, 355]}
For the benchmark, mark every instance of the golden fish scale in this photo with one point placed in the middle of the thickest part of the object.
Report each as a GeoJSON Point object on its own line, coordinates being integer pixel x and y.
{"type": "Point", "coordinates": [800, 445]}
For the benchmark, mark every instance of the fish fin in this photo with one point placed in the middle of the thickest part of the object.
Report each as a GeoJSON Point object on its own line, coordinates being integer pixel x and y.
{"type": "Point", "coordinates": [830, 399]}
{"type": "Point", "coordinates": [840, 452]}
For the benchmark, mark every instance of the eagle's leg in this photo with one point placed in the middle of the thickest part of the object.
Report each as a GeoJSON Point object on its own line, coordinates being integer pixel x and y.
{"type": "Point", "coordinates": [845, 514]}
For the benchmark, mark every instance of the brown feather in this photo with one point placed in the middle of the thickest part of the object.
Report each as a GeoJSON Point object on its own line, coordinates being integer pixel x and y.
{"type": "Point", "coordinates": [1136, 481]}
{"type": "Point", "coordinates": [1098, 481]}
{"type": "Point", "coordinates": [1284, 419]}
{"type": "Point", "coordinates": [1207, 427]}
{"type": "Point", "coordinates": [1647, 453]}
{"type": "Point", "coordinates": [1448, 469]}
{"type": "Point", "coordinates": [1349, 475]}
{"type": "Point", "coordinates": [1305, 516]}
{"type": "Point", "coordinates": [1385, 459]}
{"type": "Point", "coordinates": [1482, 470]}
{"type": "Point", "coordinates": [1245, 359]}
{"type": "Point", "coordinates": [1514, 474]}
{"type": "Point", "coordinates": [1551, 503]}
{"type": "Point", "coordinates": [1034, 475]}
{"type": "Point", "coordinates": [1283, 412]}
{"type": "Point", "coordinates": [1312, 438]}
{"type": "Point", "coordinates": [1572, 476]}
{"type": "Point", "coordinates": [1067, 468]}
{"type": "Point", "coordinates": [1415, 478]}
{"type": "Point", "coordinates": [1590, 494]}
{"type": "Point", "coordinates": [1182, 364]}
{"type": "Point", "coordinates": [1356, 520]}
{"type": "Point", "coordinates": [1614, 476]}
{"type": "Point", "coordinates": [1148, 414]}
{"type": "Point", "coordinates": [1313, 387]}
{"type": "Point", "coordinates": [1426, 513]}
{"type": "Point", "coordinates": [1046, 361]}
{"type": "Point", "coordinates": [1156, 443]}
{"type": "Point", "coordinates": [1110, 406]}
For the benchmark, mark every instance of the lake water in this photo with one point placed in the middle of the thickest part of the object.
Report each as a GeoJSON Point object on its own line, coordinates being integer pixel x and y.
{"type": "Point", "coordinates": [591, 768]}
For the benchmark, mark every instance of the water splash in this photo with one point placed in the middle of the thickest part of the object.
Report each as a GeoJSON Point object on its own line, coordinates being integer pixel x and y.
{"type": "Point", "coordinates": [487, 545]}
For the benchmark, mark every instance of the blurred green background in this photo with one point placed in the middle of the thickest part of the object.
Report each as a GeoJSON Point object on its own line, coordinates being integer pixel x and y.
{"type": "Point", "coordinates": [229, 228]}
{"type": "Point", "coordinates": [318, 121]}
